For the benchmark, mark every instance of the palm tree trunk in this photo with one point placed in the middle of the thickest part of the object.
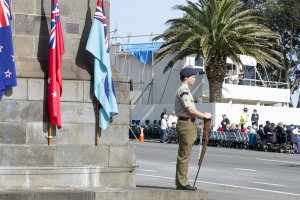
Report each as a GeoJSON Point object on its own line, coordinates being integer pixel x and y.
{"type": "Point", "coordinates": [216, 71]}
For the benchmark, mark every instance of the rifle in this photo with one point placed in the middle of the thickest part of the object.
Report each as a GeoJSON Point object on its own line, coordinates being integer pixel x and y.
{"type": "Point", "coordinates": [206, 128]}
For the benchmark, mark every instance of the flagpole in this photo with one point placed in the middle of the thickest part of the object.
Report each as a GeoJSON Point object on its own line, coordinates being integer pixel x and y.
{"type": "Point", "coordinates": [50, 133]}
{"type": "Point", "coordinates": [50, 125]}
{"type": "Point", "coordinates": [97, 45]}
{"type": "Point", "coordinates": [97, 129]}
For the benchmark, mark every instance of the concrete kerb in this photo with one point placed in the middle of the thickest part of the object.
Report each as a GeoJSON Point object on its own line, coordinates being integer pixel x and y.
{"type": "Point", "coordinates": [138, 193]}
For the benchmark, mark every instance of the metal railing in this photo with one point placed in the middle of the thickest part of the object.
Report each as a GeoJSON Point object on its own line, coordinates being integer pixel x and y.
{"type": "Point", "coordinates": [254, 82]}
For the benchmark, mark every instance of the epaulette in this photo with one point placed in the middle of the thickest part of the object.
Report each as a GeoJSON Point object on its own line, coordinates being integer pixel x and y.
{"type": "Point", "coordinates": [184, 93]}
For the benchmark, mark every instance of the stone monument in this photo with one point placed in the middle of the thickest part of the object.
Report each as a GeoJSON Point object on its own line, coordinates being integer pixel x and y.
{"type": "Point", "coordinates": [73, 160]}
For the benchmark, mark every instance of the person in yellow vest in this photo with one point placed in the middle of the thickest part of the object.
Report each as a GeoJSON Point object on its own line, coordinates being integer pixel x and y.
{"type": "Point", "coordinates": [245, 118]}
{"type": "Point", "coordinates": [186, 127]}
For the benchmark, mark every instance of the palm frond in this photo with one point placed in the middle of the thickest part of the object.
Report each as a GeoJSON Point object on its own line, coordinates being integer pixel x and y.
{"type": "Point", "coordinates": [218, 27]}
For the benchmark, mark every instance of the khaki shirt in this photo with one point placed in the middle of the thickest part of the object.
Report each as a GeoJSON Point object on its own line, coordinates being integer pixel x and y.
{"type": "Point", "coordinates": [183, 100]}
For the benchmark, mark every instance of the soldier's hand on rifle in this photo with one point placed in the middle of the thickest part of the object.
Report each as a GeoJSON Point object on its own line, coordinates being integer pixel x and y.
{"type": "Point", "coordinates": [207, 115]}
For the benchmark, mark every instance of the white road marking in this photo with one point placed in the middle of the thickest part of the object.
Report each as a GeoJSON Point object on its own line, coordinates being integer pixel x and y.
{"type": "Point", "coordinates": [273, 184]}
{"type": "Point", "coordinates": [241, 169]}
{"type": "Point", "coordinates": [154, 176]}
{"type": "Point", "coordinates": [280, 161]}
{"type": "Point", "coordinates": [146, 170]}
{"type": "Point", "coordinates": [226, 185]}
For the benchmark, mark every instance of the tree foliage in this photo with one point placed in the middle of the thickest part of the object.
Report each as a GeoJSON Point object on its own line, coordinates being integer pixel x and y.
{"type": "Point", "coordinates": [215, 30]}
{"type": "Point", "coordinates": [283, 16]}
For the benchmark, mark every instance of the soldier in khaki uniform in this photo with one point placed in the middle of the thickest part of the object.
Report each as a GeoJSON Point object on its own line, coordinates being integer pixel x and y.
{"type": "Point", "coordinates": [186, 127]}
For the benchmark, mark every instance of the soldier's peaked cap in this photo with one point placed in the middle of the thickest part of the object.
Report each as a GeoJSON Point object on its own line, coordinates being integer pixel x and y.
{"type": "Point", "coordinates": [188, 71]}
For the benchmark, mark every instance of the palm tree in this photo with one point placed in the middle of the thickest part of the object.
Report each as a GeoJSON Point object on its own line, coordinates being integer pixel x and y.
{"type": "Point", "coordinates": [215, 30]}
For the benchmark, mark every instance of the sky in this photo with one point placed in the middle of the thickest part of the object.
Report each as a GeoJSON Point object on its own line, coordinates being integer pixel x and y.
{"type": "Point", "coordinates": [141, 17]}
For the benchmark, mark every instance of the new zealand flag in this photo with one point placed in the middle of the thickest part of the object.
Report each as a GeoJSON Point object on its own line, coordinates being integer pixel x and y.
{"type": "Point", "coordinates": [7, 62]}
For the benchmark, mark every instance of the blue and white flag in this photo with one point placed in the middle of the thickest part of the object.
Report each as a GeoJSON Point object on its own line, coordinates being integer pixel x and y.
{"type": "Point", "coordinates": [7, 63]}
{"type": "Point", "coordinates": [103, 83]}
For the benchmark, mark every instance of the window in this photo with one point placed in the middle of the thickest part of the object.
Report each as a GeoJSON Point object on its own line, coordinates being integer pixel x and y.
{"type": "Point", "coordinates": [199, 65]}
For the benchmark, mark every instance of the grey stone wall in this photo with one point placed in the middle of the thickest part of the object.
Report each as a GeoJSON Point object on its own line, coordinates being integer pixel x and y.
{"type": "Point", "coordinates": [31, 26]}
{"type": "Point", "coordinates": [25, 158]}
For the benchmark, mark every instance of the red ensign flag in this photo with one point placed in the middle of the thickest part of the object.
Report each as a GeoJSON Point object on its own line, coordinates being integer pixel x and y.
{"type": "Point", "coordinates": [56, 50]}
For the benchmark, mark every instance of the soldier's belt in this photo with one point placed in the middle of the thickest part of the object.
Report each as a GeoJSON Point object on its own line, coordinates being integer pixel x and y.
{"type": "Point", "coordinates": [186, 118]}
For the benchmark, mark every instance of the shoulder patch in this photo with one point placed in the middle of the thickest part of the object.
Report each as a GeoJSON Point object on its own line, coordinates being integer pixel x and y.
{"type": "Point", "coordinates": [184, 93]}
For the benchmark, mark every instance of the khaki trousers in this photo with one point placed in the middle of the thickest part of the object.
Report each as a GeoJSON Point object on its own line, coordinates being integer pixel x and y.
{"type": "Point", "coordinates": [186, 131]}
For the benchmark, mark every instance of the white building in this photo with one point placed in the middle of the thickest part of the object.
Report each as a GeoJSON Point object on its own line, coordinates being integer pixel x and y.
{"type": "Point", "coordinates": [153, 90]}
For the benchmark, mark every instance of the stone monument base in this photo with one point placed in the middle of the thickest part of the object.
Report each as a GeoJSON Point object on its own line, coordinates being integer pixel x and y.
{"type": "Point", "coordinates": [103, 194]}
{"type": "Point", "coordinates": [78, 166]}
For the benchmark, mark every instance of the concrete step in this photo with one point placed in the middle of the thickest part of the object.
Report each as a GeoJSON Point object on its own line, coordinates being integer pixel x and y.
{"type": "Point", "coordinates": [138, 193]}
{"type": "Point", "coordinates": [78, 165]}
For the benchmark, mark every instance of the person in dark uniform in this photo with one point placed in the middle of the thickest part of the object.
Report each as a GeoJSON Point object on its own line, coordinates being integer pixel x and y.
{"type": "Point", "coordinates": [254, 117]}
{"type": "Point", "coordinates": [267, 128]}
{"type": "Point", "coordinates": [261, 132]}
{"type": "Point", "coordinates": [225, 121]}
{"type": "Point", "coordinates": [281, 136]}
{"type": "Point", "coordinates": [186, 127]}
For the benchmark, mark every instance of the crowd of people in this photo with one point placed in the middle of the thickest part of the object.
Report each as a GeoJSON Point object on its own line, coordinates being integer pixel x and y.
{"type": "Point", "coordinates": [283, 138]}
{"type": "Point", "coordinates": [168, 127]}
{"type": "Point", "coordinates": [263, 137]}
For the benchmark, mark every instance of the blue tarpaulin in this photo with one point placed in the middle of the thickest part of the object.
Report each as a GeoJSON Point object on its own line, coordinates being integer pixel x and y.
{"type": "Point", "coordinates": [143, 51]}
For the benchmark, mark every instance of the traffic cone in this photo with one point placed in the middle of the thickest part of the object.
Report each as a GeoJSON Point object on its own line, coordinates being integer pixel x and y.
{"type": "Point", "coordinates": [142, 135]}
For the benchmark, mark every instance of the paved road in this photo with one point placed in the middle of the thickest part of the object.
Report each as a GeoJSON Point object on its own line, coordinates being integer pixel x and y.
{"type": "Point", "coordinates": [227, 174]}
